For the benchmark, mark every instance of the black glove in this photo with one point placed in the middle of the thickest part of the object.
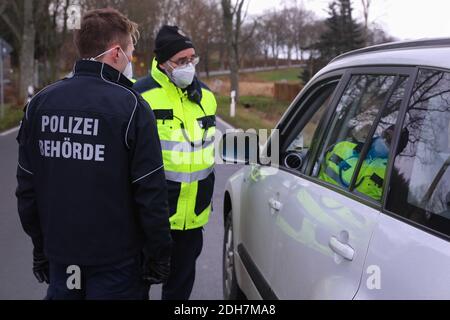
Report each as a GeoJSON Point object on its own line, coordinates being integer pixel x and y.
{"type": "Point", "coordinates": [40, 266]}
{"type": "Point", "coordinates": [156, 272]}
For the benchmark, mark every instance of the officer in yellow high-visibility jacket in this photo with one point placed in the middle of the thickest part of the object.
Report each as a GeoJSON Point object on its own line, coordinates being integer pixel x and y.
{"type": "Point", "coordinates": [340, 163]}
{"type": "Point", "coordinates": [185, 111]}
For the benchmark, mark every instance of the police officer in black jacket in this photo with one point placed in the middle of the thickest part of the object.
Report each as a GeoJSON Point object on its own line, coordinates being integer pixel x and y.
{"type": "Point", "coordinates": [91, 190]}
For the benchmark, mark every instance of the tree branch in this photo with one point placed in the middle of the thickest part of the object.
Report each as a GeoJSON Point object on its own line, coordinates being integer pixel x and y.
{"type": "Point", "coordinates": [16, 10]}
{"type": "Point", "coordinates": [3, 7]}
{"type": "Point", "coordinates": [13, 28]}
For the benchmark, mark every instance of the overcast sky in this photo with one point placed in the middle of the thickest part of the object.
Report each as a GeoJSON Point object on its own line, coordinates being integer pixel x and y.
{"type": "Point", "coordinates": [403, 19]}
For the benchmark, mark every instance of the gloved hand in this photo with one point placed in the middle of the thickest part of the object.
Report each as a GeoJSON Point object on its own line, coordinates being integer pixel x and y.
{"type": "Point", "coordinates": [40, 266]}
{"type": "Point", "coordinates": [156, 272]}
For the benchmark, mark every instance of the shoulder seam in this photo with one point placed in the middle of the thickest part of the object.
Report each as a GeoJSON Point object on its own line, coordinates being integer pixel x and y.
{"type": "Point", "coordinates": [155, 84]}
{"type": "Point", "coordinates": [135, 105]}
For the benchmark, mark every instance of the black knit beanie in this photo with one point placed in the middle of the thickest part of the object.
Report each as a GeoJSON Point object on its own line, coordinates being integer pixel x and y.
{"type": "Point", "coordinates": [169, 41]}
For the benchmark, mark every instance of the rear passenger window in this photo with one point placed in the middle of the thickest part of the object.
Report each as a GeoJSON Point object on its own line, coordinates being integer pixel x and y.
{"type": "Point", "coordinates": [420, 182]}
{"type": "Point", "coordinates": [349, 130]}
{"type": "Point", "coordinates": [372, 171]}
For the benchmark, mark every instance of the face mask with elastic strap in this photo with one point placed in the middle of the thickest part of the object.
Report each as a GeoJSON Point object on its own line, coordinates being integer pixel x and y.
{"type": "Point", "coordinates": [194, 94]}
{"type": "Point", "coordinates": [128, 72]}
{"type": "Point", "coordinates": [182, 76]}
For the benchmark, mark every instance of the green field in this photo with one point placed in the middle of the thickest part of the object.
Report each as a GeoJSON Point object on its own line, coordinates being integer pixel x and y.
{"type": "Point", "coordinates": [290, 75]}
{"type": "Point", "coordinates": [12, 118]}
{"type": "Point", "coordinates": [252, 112]}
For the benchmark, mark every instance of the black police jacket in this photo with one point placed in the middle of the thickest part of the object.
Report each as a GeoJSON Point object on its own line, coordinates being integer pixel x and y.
{"type": "Point", "coordinates": [91, 185]}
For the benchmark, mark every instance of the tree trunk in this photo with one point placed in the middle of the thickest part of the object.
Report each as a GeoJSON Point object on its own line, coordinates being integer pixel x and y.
{"type": "Point", "coordinates": [206, 60]}
{"type": "Point", "coordinates": [289, 56]}
{"type": "Point", "coordinates": [266, 57]}
{"type": "Point", "coordinates": [222, 56]}
{"type": "Point", "coordinates": [232, 52]}
{"type": "Point", "coordinates": [27, 51]}
{"type": "Point", "coordinates": [234, 69]}
{"type": "Point", "coordinates": [276, 59]}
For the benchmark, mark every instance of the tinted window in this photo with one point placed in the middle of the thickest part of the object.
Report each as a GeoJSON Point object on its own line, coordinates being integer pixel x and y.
{"type": "Point", "coordinates": [420, 182]}
{"type": "Point", "coordinates": [372, 172]}
{"type": "Point", "coordinates": [349, 130]}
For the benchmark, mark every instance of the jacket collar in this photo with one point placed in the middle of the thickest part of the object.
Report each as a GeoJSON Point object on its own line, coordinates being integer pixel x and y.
{"type": "Point", "coordinates": [193, 92]}
{"type": "Point", "coordinates": [161, 77]}
{"type": "Point", "coordinates": [102, 70]}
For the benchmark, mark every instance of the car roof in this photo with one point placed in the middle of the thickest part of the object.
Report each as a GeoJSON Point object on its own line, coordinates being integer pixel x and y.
{"type": "Point", "coordinates": [425, 52]}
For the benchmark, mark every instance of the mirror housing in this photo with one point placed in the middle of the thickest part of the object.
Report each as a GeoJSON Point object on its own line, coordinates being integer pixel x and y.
{"type": "Point", "coordinates": [239, 147]}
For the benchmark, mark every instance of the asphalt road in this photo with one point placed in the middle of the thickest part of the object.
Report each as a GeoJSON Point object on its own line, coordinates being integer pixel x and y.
{"type": "Point", "coordinates": [16, 278]}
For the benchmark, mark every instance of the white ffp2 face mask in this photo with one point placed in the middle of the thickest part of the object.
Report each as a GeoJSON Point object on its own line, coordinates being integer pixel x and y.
{"type": "Point", "coordinates": [183, 76]}
{"type": "Point", "coordinates": [128, 72]}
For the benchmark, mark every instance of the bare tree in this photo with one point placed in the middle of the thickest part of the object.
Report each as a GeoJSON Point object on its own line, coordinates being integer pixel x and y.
{"type": "Point", "coordinates": [250, 47]}
{"type": "Point", "coordinates": [366, 9]}
{"type": "Point", "coordinates": [18, 17]}
{"type": "Point", "coordinates": [199, 19]}
{"type": "Point", "coordinates": [51, 21]}
{"type": "Point", "coordinates": [262, 39]}
{"type": "Point", "coordinates": [233, 18]}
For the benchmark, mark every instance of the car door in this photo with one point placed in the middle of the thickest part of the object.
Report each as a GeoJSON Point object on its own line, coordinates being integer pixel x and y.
{"type": "Point", "coordinates": [409, 256]}
{"type": "Point", "coordinates": [324, 229]}
{"type": "Point", "coordinates": [264, 190]}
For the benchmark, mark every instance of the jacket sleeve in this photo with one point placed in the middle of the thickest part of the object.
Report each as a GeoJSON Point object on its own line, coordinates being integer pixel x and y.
{"type": "Point", "coordinates": [149, 183]}
{"type": "Point", "coordinates": [25, 192]}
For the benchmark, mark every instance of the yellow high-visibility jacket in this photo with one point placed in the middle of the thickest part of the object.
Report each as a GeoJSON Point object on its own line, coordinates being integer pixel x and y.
{"type": "Point", "coordinates": [186, 127]}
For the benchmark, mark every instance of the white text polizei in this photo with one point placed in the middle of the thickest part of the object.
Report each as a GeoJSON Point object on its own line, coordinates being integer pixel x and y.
{"type": "Point", "coordinates": [72, 125]}
{"type": "Point", "coordinates": [69, 149]}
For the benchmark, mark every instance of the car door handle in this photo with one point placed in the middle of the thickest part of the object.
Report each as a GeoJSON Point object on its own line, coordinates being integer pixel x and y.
{"type": "Point", "coordinates": [342, 249]}
{"type": "Point", "coordinates": [275, 205]}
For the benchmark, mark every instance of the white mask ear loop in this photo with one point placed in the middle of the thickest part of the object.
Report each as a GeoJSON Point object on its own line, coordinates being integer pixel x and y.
{"type": "Point", "coordinates": [102, 54]}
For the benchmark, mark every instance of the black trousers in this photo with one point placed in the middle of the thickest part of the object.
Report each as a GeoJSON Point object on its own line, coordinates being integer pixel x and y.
{"type": "Point", "coordinates": [118, 281]}
{"type": "Point", "coordinates": [186, 249]}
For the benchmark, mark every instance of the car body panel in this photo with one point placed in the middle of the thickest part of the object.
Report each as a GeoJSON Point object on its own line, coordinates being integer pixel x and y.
{"type": "Point", "coordinates": [394, 258]}
{"type": "Point", "coordinates": [259, 187]}
{"type": "Point", "coordinates": [410, 263]}
{"type": "Point", "coordinates": [312, 214]}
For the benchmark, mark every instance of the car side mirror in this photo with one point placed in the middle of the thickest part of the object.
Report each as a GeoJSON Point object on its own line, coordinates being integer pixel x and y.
{"type": "Point", "coordinates": [240, 147]}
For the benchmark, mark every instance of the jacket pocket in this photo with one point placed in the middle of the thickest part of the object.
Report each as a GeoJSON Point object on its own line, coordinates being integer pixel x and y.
{"type": "Point", "coordinates": [174, 189]}
{"type": "Point", "coordinates": [163, 114]}
{"type": "Point", "coordinates": [205, 192]}
{"type": "Point", "coordinates": [207, 122]}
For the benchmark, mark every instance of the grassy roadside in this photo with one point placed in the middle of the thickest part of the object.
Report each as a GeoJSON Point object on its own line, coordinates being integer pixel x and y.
{"type": "Point", "coordinates": [256, 109]}
{"type": "Point", "coordinates": [288, 74]}
{"type": "Point", "coordinates": [12, 118]}
{"type": "Point", "coordinates": [252, 112]}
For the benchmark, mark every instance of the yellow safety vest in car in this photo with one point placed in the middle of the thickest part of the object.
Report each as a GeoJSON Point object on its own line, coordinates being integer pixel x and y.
{"type": "Point", "coordinates": [186, 130]}
{"type": "Point", "coordinates": [339, 166]}
{"type": "Point", "coordinates": [340, 163]}
{"type": "Point", "coordinates": [371, 178]}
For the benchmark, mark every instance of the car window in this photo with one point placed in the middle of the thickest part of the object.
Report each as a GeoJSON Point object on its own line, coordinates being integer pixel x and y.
{"type": "Point", "coordinates": [372, 171]}
{"type": "Point", "coordinates": [297, 151]}
{"type": "Point", "coordinates": [350, 127]}
{"type": "Point", "coordinates": [420, 181]}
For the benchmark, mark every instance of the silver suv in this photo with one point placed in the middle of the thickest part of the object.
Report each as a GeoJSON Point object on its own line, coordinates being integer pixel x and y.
{"type": "Point", "coordinates": [359, 205]}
